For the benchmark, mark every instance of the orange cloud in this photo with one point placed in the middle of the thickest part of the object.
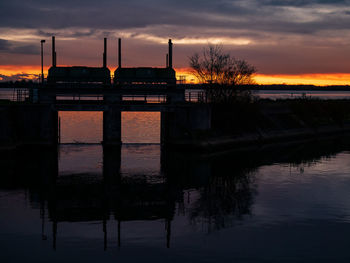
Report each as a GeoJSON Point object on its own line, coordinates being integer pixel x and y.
{"type": "Point", "coordinates": [305, 79]}
{"type": "Point", "coordinates": [12, 70]}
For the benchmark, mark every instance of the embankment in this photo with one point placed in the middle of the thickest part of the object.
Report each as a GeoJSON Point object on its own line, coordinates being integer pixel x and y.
{"type": "Point", "coordinates": [27, 124]}
{"type": "Point", "coordinates": [265, 122]}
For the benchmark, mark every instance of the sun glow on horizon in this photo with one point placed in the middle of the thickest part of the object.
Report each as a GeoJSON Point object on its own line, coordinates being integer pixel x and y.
{"type": "Point", "coordinates": [324, 79]}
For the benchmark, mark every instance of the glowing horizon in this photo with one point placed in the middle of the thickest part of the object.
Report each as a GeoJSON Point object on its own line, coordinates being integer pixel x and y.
{"type": "Point", "coordinates": [320, 79]}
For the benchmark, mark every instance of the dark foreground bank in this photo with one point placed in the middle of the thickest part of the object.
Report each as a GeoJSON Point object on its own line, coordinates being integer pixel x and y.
{"type": "Point", "coordinates": [264, 122]}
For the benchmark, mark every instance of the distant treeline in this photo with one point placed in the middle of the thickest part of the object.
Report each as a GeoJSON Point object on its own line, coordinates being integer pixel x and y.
{"type": "Point", "coordinates": [19, 84]}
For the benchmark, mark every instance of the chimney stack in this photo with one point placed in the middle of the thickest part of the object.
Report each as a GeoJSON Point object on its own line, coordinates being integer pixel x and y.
{"type": "Point", "coordinates": [105, 53]}
{"type": "Point", "coordinates": [170, 54]}
{"type": "Point", "coordinates": [119, 52]}
{"type": "Point", "coordinates": [167, 60]}
{"type": "Point", "coordinates": [53, 52]}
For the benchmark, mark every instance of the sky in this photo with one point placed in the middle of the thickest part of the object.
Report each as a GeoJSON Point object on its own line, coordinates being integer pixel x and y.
{"type": "Point", "coordinates": [293, 42]}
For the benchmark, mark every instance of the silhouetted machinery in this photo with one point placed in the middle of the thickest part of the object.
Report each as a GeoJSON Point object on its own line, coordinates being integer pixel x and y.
{"type": "Point", "coordinates": [101, 75]}
{"type": "Point", "coordinates": [145, 75]}
{"type": "Point", "coordinates": [79, 74]}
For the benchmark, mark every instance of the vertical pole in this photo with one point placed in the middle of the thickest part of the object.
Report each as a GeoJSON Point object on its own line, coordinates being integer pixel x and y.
{"type": "Point", "coordinates": [167, 60]}
{"type": "Point", "coordinates": [53, 52]}
{"type": "Point", "coordinates": [42, 61]}
{"type": "Point", "coordinates": [170, 54]}
{"type": "Point", "coordinates": [59, 129]}
{"type": "Point", "coordinates": [42, 64]}
{"type": "Point", "coordinates": [119, 52]}
{"type": "Point", "coordinates": [105, 53]}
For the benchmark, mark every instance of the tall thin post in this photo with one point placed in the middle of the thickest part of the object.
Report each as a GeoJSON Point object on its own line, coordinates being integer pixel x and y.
{"type": "Point", "coordinates": [53, 52]}
{"type": "Point", "coordinates": [170, 54]}
{"type": "Point", "coordinates": [119, 52]}
{"type": "Point", "coordinates": [42, 61]}
{"type": "Point", "coordinates": [105, 53]}
{"type": "Point", "coordinates": [167, 60]}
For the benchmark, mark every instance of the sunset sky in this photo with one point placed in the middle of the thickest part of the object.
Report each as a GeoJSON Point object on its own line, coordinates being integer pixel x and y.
{"type": "Point", "coordinates": [288, 41]}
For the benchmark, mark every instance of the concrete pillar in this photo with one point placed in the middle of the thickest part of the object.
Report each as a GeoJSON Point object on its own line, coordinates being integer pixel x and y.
{"type": "Point", "coordinates": [46, 96]}
{"type": "Point", "coordinates": [176, 96]}
{"type": "Point", "coordinates": [36, 124]}
{"type": "Point", "coordinates": [185, 123]}
{"type": "Point", "coordinates": [112, 98]}
{"type": "Point", "coordinates": [33, 124]}
{"type": "Point", "coordinates": [112, 126]}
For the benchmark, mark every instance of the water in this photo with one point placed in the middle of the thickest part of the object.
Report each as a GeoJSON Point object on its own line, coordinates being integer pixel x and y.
{"type": "Point", "coordinates": [86, 127]}
{"type": "Point", "coordinates": [297, 94]}
{"type": "Point", "coordinates": [141, 203]}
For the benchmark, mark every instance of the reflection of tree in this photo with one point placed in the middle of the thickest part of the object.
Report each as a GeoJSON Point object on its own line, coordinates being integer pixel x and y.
{"type": "Point", "coordinates": [224, 200]}
{"type": "Point", "coordinates": [310, 154]}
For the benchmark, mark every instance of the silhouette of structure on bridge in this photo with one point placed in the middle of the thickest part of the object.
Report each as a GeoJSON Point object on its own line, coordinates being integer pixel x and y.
{"type": "Point", "coordinates": [78, 74]}
{"type": "Point", "coordinates": [101, 75]}
{"type": "Point", "coordinates": [89, 89]}
{"type": "Point", "coordinates": [146, 75]}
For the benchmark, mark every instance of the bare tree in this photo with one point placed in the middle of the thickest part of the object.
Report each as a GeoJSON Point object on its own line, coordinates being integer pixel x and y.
{"type": "Point", "coordinates": [216, 67]}
{"type": "Point", "coordinates": [222, 72]}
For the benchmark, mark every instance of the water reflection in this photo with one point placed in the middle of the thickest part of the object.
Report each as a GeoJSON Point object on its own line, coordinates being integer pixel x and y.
{"type": "Point", "coordinates": [122, 202]}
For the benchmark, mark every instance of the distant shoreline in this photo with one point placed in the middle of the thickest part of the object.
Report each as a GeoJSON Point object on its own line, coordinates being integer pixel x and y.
{"type": "Point", "coordinates": [280, 87]}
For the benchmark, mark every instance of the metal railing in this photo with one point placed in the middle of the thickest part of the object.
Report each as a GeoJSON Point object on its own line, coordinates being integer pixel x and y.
{"type": "Point", "coordinates": [195, 96]}
{"type": "Point", "coordinates": [15, 94]}
{"type": "Point", "coordinates": [145, 98]}
{"type": "Point", "coordinates": [79, 97]}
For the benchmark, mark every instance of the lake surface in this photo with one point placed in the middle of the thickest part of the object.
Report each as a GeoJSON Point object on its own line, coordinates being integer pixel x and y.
{"type": "Point", "coordinates": [139, 202]}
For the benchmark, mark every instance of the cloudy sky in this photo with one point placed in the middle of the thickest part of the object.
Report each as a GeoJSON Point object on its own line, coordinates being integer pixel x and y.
{"type": "Point", "coordinates": [300, 40]}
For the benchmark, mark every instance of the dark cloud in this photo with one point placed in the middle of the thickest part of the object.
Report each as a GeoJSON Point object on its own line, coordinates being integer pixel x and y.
{"type": "Point", "coordinates": [15, 77]}
{"type": "Point", "coordinates": [280, 31]}
{"type": "Point", "coordinates": [301, 3]}
{"type": "Point", "coordinates": [4, 45]}
{"type": "Point", "coordinates": [266, 15]}
{"type": "Point", "coordinates": [7, 46]}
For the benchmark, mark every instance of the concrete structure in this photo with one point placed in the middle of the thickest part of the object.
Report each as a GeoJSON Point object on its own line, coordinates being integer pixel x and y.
{"type": "Point", "coordinates": [145, 75]}
{"type": "Point", "coordinates": [89, 89]}
{"type": "Point", "coordinates": [101, 75]}
{"type": "Point", "coordinates": [38, 122]}
{"type": "Point", "coordinates": [112, 126]}
{"type": "Point", "coordinates": [78, 74]}
{"type": "Point", "coordinates": [33, 124]}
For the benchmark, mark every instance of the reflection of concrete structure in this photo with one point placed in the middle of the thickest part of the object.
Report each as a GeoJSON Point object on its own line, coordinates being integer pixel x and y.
{"type": "Point", "coordinates": [146, 75]}
{"type": "Point", "coordinates": [225, 185]}
{"type": "Point", "coordinates": [81, 198]}
{"type": "Point", "coordinates": [78, 74]}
